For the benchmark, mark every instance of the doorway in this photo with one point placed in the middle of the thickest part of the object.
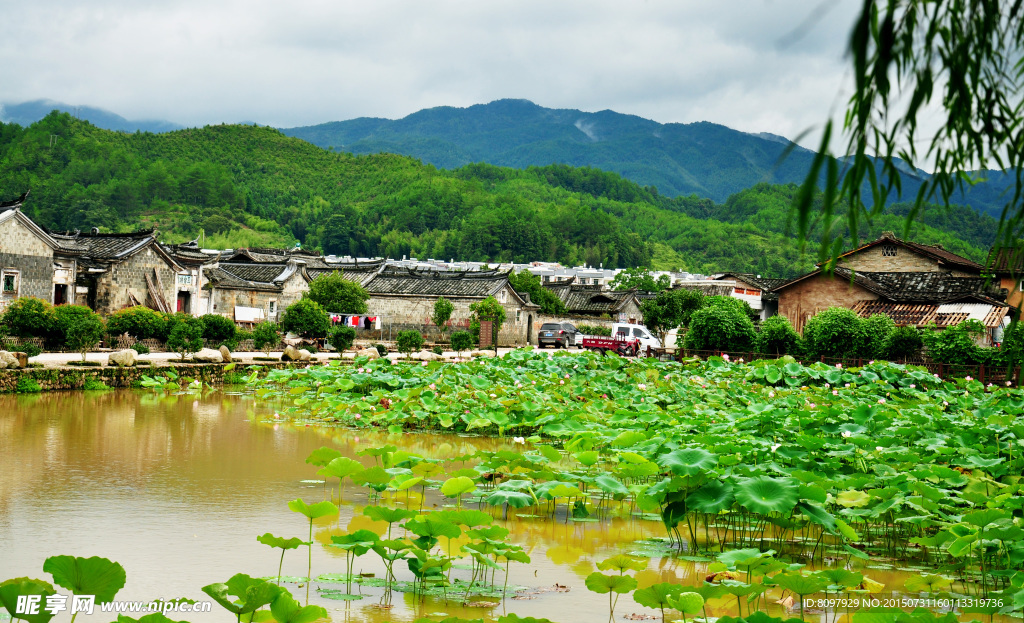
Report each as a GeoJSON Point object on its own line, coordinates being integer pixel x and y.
{"type": "Point", "coordinates": [184, 302]}
{"type": "Point", "coordinates": [529, 328]}
{"type": "Point", "coordinates": [60, 294]}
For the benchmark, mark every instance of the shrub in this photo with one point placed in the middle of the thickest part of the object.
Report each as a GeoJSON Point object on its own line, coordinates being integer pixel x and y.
{"type": "Point", "coordinates": [218, 329]}
{"type": "Point", "coordinates": [721, 325]}
{"type": "Point", "coordinates": [877, 331]}
{"type": "Point", "coordinates": [140, 322]}
{"type": "Point", "coordinates": [186, 337]}
{"type": "Point", "coordinates": [265, 336]}
{"type": "Point", "coordinates": [904, 343]}
{"type": "Point", "coordinates": [29, 317]}
{"type": "Point", "coordinates": [381, 349]}
{"type": "Point", "coordinates": [94, 384]}
{"type": "Point", "coordinates": [1012, 350]}
{"type": "Point", "coordinates": [27, 385]}
{"type": "Point", "coordinates": [462, 341]}
{"type": "Point", "coordinates": [78, 327]}
{"type": "Point", "coordinates": [171, 321]}
{"type": "Point", "coordinates": [342, 338]}
{"type": "Point", "coordinates": [589, 329]}
{"type": "Point", "coordinates": [305, 317]}
{"type": "Point", "coordinates": [341, 296]}
{"type": "Point", "coordinates": [777, 337]}
{"type": "Point", "coordinates": [437, 350]}
{"type": "Point", "coordinates": [29, 349]}
{"type": "Point", "coordinates": [834, 332]}
{"type": "Point", "coordinates": [140, 348]}
{"type": "Point", "coordinates": [409, 341]}
{"type": "Point", "coordinates": [443, 309]}
{"type": "Point", "coordinates": [956, 345]}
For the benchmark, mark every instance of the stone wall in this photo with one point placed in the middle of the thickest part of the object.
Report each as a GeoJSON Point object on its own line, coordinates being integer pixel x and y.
{"type": "Point", "coordinates": [225, 300]}
{"type": "Point", "coordinates": [50, 379]}
{"type": "Point", "coordinates": [802, 300]}
{"type": "Point", "coordinates": [130, 275]}
{"type": "Point", "coordinates": [22, 250]}
{"type": "Point", "coordinates": [905, 261]}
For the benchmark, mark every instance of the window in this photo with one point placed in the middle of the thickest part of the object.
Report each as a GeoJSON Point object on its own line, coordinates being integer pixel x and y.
{"type": "Point", "coordinates": [889, 250]}
{"type": "Point", "coordinates": [639, 333]}
{"type": "Point", "coordinates": [10, 282]}
{"type": "Point", "coordinates": [519, 316]}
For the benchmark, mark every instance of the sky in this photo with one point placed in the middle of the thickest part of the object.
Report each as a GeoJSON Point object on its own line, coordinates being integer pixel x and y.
{"type": "Point", "coordinates": [774, 66]}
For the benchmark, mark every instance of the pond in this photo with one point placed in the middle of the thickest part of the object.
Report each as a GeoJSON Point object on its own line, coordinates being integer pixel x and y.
{"type": "Point", "coordinates": [177, 488]}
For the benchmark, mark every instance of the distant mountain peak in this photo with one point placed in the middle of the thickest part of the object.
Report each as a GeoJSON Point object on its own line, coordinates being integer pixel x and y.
{"type": "Point", "coordinates": [27, 113]}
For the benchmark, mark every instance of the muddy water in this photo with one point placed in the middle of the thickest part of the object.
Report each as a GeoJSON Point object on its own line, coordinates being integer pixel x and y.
{"type": "Point", "coordinates": [177, 488]}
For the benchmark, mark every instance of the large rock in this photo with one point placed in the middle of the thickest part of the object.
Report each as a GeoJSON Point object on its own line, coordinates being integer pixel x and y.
{"type": "Point", "coordinates": [304, 355]}
{"type": "Point", "coordinates": [370, 353]}
{"type": "Point", "coordinates": [291, 354]}
{"type": "Point", "coordinates": [123, 358]}
{"type": "Point", "coordinates": [482, 353]}
{"type": "Point", "coordinates": [426, 355]}
{"type": "Point", "coordinates": [7, 360]}
{"type": "Point", "coordinates": [22, 359]}
{"type": "Point", "coordinates": [225, 354]}
{"type": "Point", "coordinates": [208, 355]}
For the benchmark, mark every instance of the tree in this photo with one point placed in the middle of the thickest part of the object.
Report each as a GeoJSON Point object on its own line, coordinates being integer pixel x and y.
{"type": "Point", "coordinates": [265, 335]}
{"type": "Point", "coordinates": [29, 317]}
{"type": "Point", "coordinates": [525, 281]}
{"type": "Point", "coordinates": [904, 343]}
{"type": "Point", "coordinates": [670, 310]}
{"type": "Point", "coordinates": [461, 341]}
{"type": "Point", "coordinates": [306, 318]}
{"type": "Point", "coordinates": [721, 325]}
{"type": "Point", "coordinates": [338, 295]}
{"type": "Point", "coordinates": [489, 308]}
{"type": "Point", "coordinates": [777, 337]}
{"type": "Point", "coordinates": [878, 330]}
{"type": "Point", "coordinates": [342, 338]}
{"type": "Point", "coordinates": [139, 322]}
{"type": "Point", "coordinates": [218, 329]}
{"type": "Point", "coordinates": [443, 309]}
{"type": "Point", "coordinates": [79, 327]}
{"type": "Point", "coordinates": [952, 62]}
{"type": "Point", "coordinates": [186, 337]}
{"type": "Point", "coordinates": [408, 341]}
{"type": "Point", "coordinates": [640, 279]}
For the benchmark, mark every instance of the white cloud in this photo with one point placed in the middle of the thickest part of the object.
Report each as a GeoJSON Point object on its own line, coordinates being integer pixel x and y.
{"type": "Point", "coordinates": [747, 64]}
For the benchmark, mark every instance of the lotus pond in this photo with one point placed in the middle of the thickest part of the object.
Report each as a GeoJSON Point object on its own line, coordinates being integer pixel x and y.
{"type": "Point", "coordinates": [571, 488]}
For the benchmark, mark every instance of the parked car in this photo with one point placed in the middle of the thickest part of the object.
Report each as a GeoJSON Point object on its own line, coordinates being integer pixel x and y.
{"type": "Point", "coordinates": [558, 334]}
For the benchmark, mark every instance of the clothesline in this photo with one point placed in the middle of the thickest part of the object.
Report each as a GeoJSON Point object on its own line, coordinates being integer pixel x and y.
{"type": "Point", "coordinates": [356, 321]}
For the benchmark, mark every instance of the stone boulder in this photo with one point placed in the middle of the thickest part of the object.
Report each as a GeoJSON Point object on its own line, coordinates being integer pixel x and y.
{"type": "Point", "coordinates": [225, 354]}
{"type": "Point", "coordinates": [208, 355]}
{"type": "Point", "coordinates": [304, 355]}
{"type": "Point", "coordinates": [426, 355]}
{"type": "Point", "coordinates": [22, 359]}
{"type": "Point", "coordinates": [123, 358]}
{"type": "Point", "coordinates": [370, 353]}
{"type": "Point", "coordinates": [7, 360]}
{"type": "Point", "coordinates": [291, 354]}
{"type": "Point", "coordinates": [482, 353]}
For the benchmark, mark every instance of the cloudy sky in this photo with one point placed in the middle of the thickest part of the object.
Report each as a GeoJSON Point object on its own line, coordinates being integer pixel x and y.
{"type": "Point", "coordinates": [755, 65]}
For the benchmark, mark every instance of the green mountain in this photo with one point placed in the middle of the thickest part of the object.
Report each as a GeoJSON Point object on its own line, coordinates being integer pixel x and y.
{"type": "Point", "coordinates": [238, 185]}
{"type": "Point", "coordinates": [704, 159]}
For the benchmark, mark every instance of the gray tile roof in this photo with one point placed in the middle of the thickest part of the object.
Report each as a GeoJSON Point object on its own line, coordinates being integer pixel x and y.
{"type": "Point", "coordinates": [916, 287]}
{"type": "Point", "coordinates": [590, 300]}
{"type": "Point", "coordinates": [104, 247]}
{"type": "Point", "coordinates": [397, 281]}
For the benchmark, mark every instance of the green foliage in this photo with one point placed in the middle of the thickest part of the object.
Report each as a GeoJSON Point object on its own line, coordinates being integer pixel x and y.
{"type": "Point", "coordinates": [186, 337]}
{"type": "Point", "coordinates": [29, 349]}
{"type": "Point", "coordinates": [640, 278]}
{"type": "Point", "coordinates": [722, 324]}
{"type": "Point", "coordinates": [78, 327]}
{"type": "Point", "coordinates": [381, 349]}
{"type": "Point", "coordinates": [1012, 350]}
{"type": "Point", "coordinates": [602, 331]}
{"type": "Point", "coordinates": [409, 341]}
{"type": "Point", "coordinates": [338, 295]}
{"type": "Point", "coordinates": [525, 281]}
{"type": "Point", "coordinates": [218, 329]}
{"type": "Point", "coordinates": [834, 332]}
{"type": "Point", "coordinates": [957, 344]}
{"type": "Point", "coordinates": [878, 331]}
{"type": "Point", "coordinates": [342, 338]}
{"type": "Point", "coordinates": [27, 385]}
{"type": "Point", "coordinates": [29, 317]}
{"type": "Point", "coordinates": [671, 309]}
{"type": "Point", "coordinates": [266, 335]}
{"type": "Point", "coordinates": [443, 309]}
{"type": "Point", "coordinates": [777, 337]}
{"type": "Point", "coordinates": [138, 321]}
{"type": "Point", "coordinates": [94, 385]}
{"type": "Point", "coordinates": [140, 348]}
{"type": "Point", "coordinates": [462, 341]}
{"type": "Point", "coordinates": [307, 318]}
{"type": "Point", "coordinates": [437, 350]}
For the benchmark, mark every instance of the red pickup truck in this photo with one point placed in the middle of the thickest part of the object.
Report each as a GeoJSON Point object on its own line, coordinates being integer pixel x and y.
{"type": "Point", "coordinates": [624, 346]}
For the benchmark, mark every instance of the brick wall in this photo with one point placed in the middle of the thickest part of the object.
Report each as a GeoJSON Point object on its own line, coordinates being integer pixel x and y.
{"type": "Point", "coordinates": [225, 300]}
{"type": "Point", "coordinates": [113, 286]}
{"type": "Point", "coordinates": [800, 301]}
{"type": "Point", "coordinates": [22, 250]}
{"type": "Point", "coordinates": [905, 261]}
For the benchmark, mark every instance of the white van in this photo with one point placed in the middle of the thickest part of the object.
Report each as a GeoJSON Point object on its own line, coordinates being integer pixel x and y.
{"type": "Point", "coordinates": [636, 331]}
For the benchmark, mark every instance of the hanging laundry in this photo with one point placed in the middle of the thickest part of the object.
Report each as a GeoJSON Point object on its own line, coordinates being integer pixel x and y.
{"type": "Point", "coordinates": [376, 322]}
{"type": "Point", "coordinates": [368, 322]}
{"type": "Point", "coordinates": [354, 321]}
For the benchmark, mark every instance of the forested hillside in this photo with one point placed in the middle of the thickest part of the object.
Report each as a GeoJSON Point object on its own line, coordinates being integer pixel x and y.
{"type": "Point", "coordinates": [251, 186]}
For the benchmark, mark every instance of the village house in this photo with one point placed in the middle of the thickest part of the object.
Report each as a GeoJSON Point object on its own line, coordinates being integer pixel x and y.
{"type": "Point", "coordinates": [27, 266]}
{"type": "Point", "coordinates": [756, 290]}
{"type": "Point", "coordinates": [1006, 264]}
{"type": "Point", "coordinates": [403, 298]}
{"type": "Point", "coordinates": [583, 302]}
